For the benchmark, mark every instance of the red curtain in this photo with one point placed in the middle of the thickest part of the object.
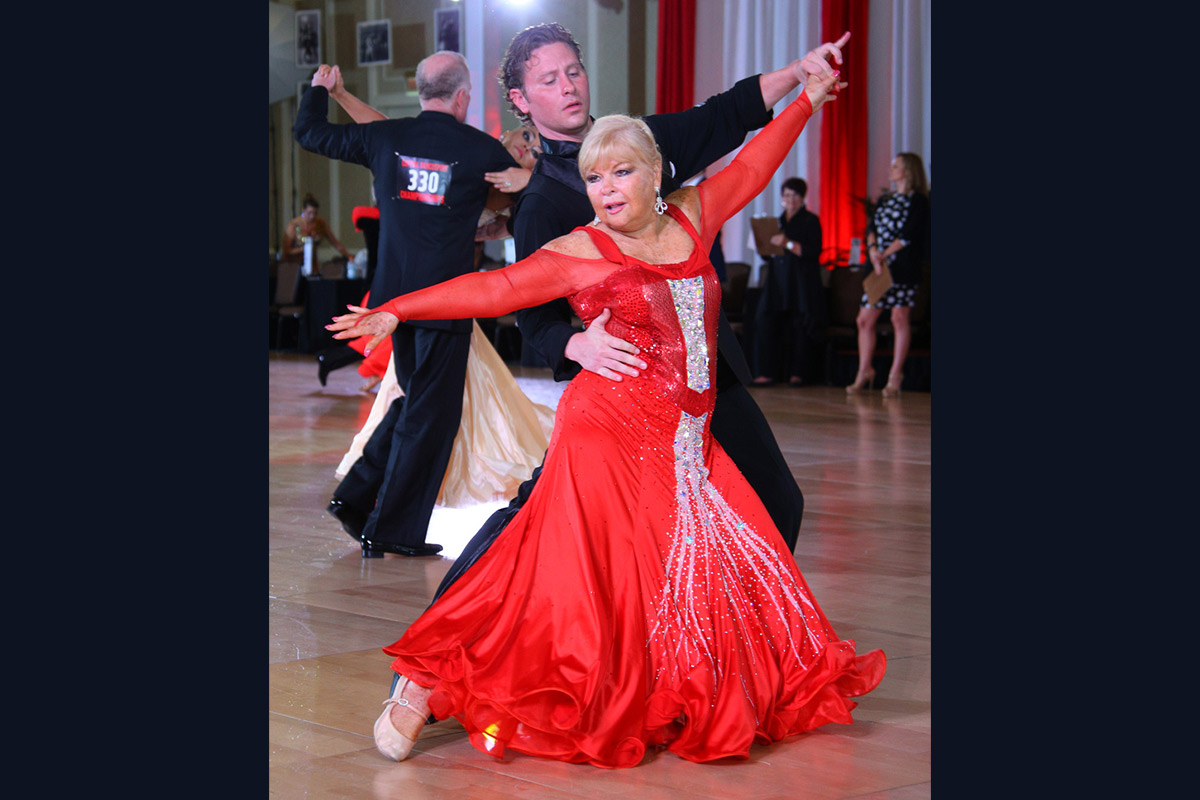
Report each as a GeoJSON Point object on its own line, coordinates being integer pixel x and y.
{"type": "Point", "coordinates": [676, 55]}
{"type": "Point", "coordinates": [844, 133]}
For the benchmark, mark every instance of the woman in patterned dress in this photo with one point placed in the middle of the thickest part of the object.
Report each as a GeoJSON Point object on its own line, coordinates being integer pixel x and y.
{"type": "Point", "coordinates": [897, 240]}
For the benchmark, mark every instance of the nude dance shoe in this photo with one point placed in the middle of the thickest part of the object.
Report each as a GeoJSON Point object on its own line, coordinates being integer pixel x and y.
{"type": "Point", "coordinates": [397, 743]}
{"type": "Point", "coordinates": [893, 385]}
{"type": "Point", "coordinates": [863, 378]}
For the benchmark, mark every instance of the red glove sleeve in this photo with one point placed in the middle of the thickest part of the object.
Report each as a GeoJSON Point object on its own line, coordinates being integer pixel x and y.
{"type": "Point", "coordinates": [540, 278]}
{"type": "Point", "coordinates": [728, 192]}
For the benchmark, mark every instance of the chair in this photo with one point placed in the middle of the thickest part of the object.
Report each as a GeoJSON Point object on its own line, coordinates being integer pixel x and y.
{"type": "Point", "coordinates": [333, 269]}
{"type": "Point", "coordinates": [920, 312]}
{"type": "Point", "coordinates": [737, 275]}
{"type": "Point", "coordinates": [287, 295]}
{"type": "Point", "coordinates": [841, 334]}
{"type": "Point", "coordinates": [845, 294]}
{"type": "Point", "coordinates": [272, 279]}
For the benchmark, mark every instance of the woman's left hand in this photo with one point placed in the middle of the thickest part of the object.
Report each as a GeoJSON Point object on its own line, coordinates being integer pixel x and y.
{"type": "Point", "coordinates": [821, 89]}
{"type": "Point", "coordinates": [363, 322]}
{"type": "Point", "coordinates": [511, 180]}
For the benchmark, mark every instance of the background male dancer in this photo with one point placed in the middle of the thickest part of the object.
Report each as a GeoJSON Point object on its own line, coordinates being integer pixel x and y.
{"type": "Point", "coordinates": [428, 179]}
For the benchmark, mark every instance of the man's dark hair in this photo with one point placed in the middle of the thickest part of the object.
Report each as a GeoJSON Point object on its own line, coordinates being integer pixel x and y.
{"type": "Point", "coordinates": [797, 185]}
{"type": "Point", "coordinates": [512, 68]}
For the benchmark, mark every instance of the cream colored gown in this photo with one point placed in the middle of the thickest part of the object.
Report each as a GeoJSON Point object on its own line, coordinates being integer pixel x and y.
{"type": "Point", "coordinates": [501, 440]}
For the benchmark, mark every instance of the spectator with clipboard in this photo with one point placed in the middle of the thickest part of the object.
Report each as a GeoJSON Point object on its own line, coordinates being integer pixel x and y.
{"type": "Point", "coordinates": [791, 314]}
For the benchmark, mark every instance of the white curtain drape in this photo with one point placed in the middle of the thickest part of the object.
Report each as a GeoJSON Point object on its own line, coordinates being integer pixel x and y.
{"type": "Point", "coordinates": [901, 93]}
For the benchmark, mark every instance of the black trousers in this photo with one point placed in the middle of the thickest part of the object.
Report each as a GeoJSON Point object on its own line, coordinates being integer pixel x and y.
{"type": "Point", "coordinates": [404, 462]}
{"type": "Point", "coordinates": [740, 428]}
{"type": "Point", "coordinates": [782, 333]}
{"type": "Point", "coordinates": [790, 323]}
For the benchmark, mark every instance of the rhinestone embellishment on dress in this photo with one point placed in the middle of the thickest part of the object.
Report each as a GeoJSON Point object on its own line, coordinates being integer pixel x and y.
{"type": "Point", "coordinates": [688, 294]}
{"type": "Point", "coordinates": [701, 600]}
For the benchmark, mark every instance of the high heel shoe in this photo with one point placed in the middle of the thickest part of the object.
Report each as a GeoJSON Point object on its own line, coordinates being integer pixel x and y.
{"type": "Point", "coordinates": [893, 385]}
{"type": "Point", "coordinates": [392, 742]}
{"type": "Point", "coordinates": [862, 379]}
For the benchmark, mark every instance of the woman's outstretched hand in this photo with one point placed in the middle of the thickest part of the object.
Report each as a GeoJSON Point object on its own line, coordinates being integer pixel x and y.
{"type": "Point", "coordinates": [821, 89]}
{"type": "Point", "coordinates": [362, 322]}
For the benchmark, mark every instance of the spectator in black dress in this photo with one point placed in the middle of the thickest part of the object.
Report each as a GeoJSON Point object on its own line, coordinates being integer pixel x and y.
{"type": "Point", "coordinates": [791, 310]}
{"type": "Point", "coordinates": [897, 240]}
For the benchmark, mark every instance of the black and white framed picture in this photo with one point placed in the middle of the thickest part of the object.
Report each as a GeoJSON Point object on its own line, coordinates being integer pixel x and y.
{"type": "Point", "coordinates": [447, 23]}
{"type": "Point", "coordinates": [375, 42]}
{"type": "Point", "coordinates": [308, 39]}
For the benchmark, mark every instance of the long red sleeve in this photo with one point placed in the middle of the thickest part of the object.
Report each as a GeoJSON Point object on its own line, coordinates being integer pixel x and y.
{"type": "Point", "coordinates": [540, 278]}
{"type": "Point", "coordinates": [728, 192]}
{"type": "Point", "coordinates": [545, 275]}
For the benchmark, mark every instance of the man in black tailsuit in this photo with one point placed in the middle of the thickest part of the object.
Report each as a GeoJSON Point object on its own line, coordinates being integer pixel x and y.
{"type": "Point", "coordinates": [428, 179]}
{"type": "Point", "coordinates": [543, 77]}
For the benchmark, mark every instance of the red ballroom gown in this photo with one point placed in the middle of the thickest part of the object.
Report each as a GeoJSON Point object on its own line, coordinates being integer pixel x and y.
{"type": "Point", "coordinates": [642, 597]}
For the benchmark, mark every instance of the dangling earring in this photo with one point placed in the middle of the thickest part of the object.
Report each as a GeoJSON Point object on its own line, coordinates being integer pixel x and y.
{"type": "Point", "coordinates": [660, 205]}
{"type": "Point", "coordinates": [595, 220]}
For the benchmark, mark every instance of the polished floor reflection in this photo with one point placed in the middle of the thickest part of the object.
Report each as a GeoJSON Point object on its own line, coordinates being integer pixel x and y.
{"type": "Point", "coordinates": [863, 464]}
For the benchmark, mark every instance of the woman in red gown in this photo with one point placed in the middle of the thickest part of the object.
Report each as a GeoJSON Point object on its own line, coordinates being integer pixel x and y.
{"type": "Point", "coordinates": [642, 597]}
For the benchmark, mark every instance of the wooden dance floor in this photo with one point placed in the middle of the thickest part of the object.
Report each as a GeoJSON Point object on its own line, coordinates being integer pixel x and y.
{"type": "Point", "coordinates": [863, 464]}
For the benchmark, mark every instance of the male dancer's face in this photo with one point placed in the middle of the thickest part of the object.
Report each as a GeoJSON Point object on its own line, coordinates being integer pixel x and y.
{"type": "Point", "coordinates": [555, 95]}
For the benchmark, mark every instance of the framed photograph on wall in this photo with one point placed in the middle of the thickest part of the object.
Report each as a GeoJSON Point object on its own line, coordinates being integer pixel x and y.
{"type": "Point", "coordinates": [375, 42]}
{"type": "Point", "coordinates": [447, 26]}
{"type": "Point", "coordinates": [308, 39]}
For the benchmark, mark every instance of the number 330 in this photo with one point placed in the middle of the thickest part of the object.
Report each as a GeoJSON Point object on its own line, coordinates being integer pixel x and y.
{"type": "Point", "coordinates": [423, 180]}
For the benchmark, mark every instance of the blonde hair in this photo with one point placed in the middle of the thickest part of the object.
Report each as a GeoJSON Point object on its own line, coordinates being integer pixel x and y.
{"type": "Point", "coordinates": [618, 133]}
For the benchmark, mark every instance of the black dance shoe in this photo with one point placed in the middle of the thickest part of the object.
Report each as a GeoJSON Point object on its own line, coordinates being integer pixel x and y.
{"type": "Point", "coordinates": [332, 358]}
{"type": "Point", "coordinates": [372, 549]}
{"type": "Point", "coordinates": [353, 521]}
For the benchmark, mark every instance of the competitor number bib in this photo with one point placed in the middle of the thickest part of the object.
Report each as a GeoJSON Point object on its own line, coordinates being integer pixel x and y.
{"type": "Point", "coordinates": [422, 180]}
